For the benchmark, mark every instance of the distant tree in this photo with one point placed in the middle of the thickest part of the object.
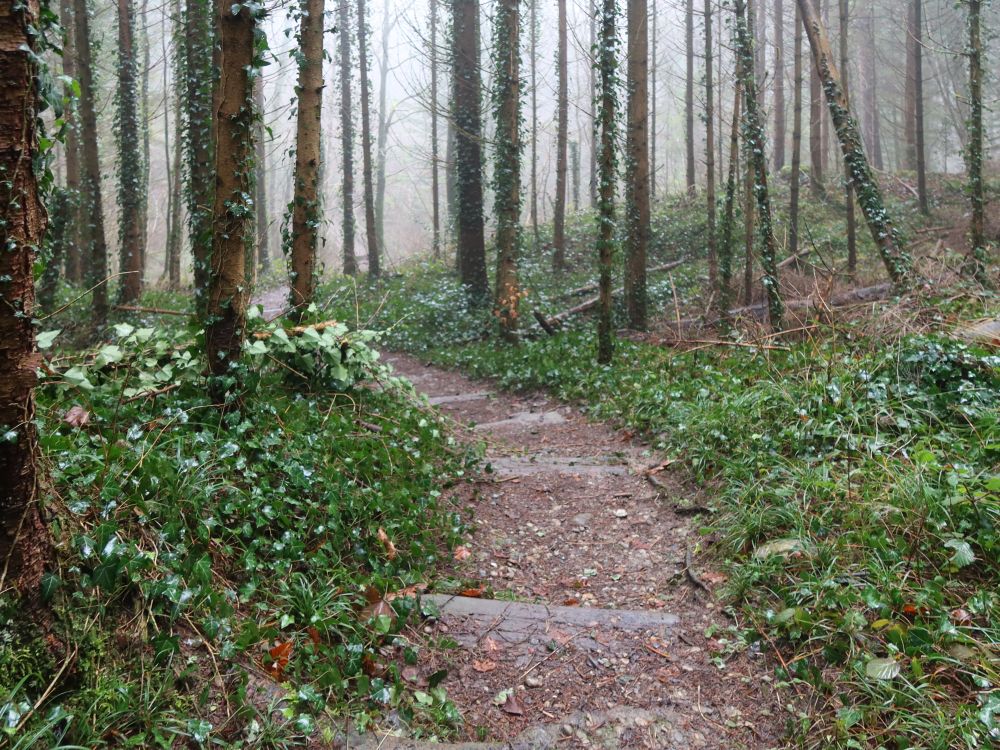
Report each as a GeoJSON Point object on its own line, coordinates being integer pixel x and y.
{"type": "Point", "coordinates": [852, 224]}
{"type": "Point", "coordinates": [726, 230]}
{"type": "Point", "coordinates": [75, 236]}
{"type": "Point", "coordinates": [507, 164]}
{"type": "Point", "coordinates": [817, 141]}
{"type": "Point", "coordinates": [305, 208]}
{"type": "Point", "coordinates": [594, 7]}
{"type": "Point", "coordinates": [779, 85]}
{"type": "Point", "coordinates": [533, 86]}
{"type": "Point", "coordinates": [872, 95]}
{"type": "Point", "coordinates": [468, 154]}
{"type": "Point", "coordinates": [91, 202]}
{"type": "Point", "coordinates": [884, 234]}
{"type": "Point", "coordinates": [606, 65]}
{"type": "Point", "coordinates": [25, 548]}
{"type": "Point", "coordinates": [574, 165]}
{"type": "Point", "coordinates": [562, 138]}
{"type": "Point", "coordinates": [233, 211]}
{"type": "Point", "coordinates": [753, 134]}
{"type": "Point", "coordinates": [263, 235]}
{"type": "Point", "coordinates": [978, 255]}
{"type": "Point", "coordinates": [367, 170]}
{"type": "Point", "coordinates": [653, 16]}
{"type": "Point", "coordinates": [796, 175]}
{"type": "Point", "coordinates": [382, 134]}
{"type": "Point", "coordinates": [435, 157]}
{"type": "Point", "coordinates": [131, 173]}
{"type": "Point", "coordinates": [713, 262]}
{"type": "Point", "coordinates": [637, 171]}
{"type": "Point", "coordinates": [173, 152]}
{"type": "Point", "coordinates": [350, 262]}
{"type": "Point", "coordinates": [689, 97]}
{"type": "Point", "coordinates": [918, 93]}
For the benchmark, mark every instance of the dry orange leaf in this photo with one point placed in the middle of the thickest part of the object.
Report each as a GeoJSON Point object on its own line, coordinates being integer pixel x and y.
{"type": "Point", "coordinates": [387, 545]}
{"type": "Point", "coordinates": [571, 602]}
{"type": "Point", "coordinates": [280, 655]}
{"type": "Point", "coordinates": [462, 553]}
{"type": "Point", "coordinates": [474, 593]}
{"type": "Point", "coordinates": [486, 665]}
{"type": "Point", "coordinates": [77, 417]}
{"type": "Point", "coordinates": [512, 706]}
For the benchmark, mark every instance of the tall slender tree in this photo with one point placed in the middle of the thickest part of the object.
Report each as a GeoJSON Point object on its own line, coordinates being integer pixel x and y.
{"type": "Point", "coordinates": [779, 86]}
{"type": "Point", "coordinates": [263, 234]}
{"type": "Point", "coordinates": [872, 118]}
{"type": "Point", "coordinates": [382, 134]}
{"type": "Point", "coordinates": [562, 138]}
{"type": "Point", "coordinates": [93, 210]}
{"type": "Point", "coordinates": [884, 234]}
{"type": "Point", "coordinates": [468, 154]}
{"type": "Point", "coordinates": [978, 256]}
{"type": "Point", "coordinates": [816, 139]}
{"type": "Point", "coordinates": [435, 179]}
{"type": "Point", "coordinates": [852, 224]}
{"type": "Point", "coordinates": [594, 12]}
{"type": "Point", "coordinates": [305, 208]}
{"type": "Point", "coordinates": [713, 263]}
{"type": "Point", "coordinates": [131, 182]}
{"type": "Point", "coordinates": [637, 180]}
{"type": "Point", "coordinates": [533, 85]}
{"type": "Point", "coordinates": [689, 97]}
{"type": "Point", "coordinates": [796, 176]}
{"type": "Point", "coordinates": [25, 548]}
{"type": "Point", "coordinates": [653, 17]}
{"type": "Point", "coordinates": [606, 65]}
{"type": "Point", "coordinates": [753, 134]}
{"type": "Point", "coordinates": [918, 93]}
{"type": "Point", "coordinates": [74, 235]}
{"type": "Point", "coordinates": [367, 171]}
{"type": "Point", "coordinates": [233, 211]}
{"type": "Point", "coordinates": [727, 228]}
{"type": "Point", "coordinates": [350, 262]}
{"type": "Point", "coordinates": [173, 151]}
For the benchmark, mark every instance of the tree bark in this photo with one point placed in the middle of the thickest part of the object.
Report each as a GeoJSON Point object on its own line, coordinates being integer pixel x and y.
{"type": "Point", "coordinates": [25, 548]}
{"type": "Point", "coordinates": [918, 92]}
{"type": "Point", "coordinates": [507, 170]}
{"type": "Point", "coordinates": [382, 136]}
{"type": "Point", "coordinates": [92, 204]}
{"type": "Point", "coordinates": [306, 214]}
{"type": "Point", "coordinates": [872, 120]}
{"type": "Point", "coordinates": [130, 171]}
{"type": "Point", "coordinates": [200, 140]}
{"type": "Point", "coordinates": [173, 153]}
{"type": "Point", "coordinates": [263, 233]}
{"type": "Point", "coordinates": [468, 154]}
{"type": "Point", "coordinates": [350, 261]}
{"type": "Point", "coordinates": [726, 246]}
{"type": "Point", "coordinates": [606, 64]}
{"type": "Point", "coordinates": [796, 176]}
{"type": "Point", "coordinates": [816, 142]}
{"type": "Point", "coordinates": [755, 140]}
{"type": "Point", "coordinates": [652, 101]}
{"type": "Point", "coordinates": [371, 234]}
{"type": "Point", "coordinates": [435, 180]}
{"type": "Point", "coordinates": [75, 236]}
{"type": "Point", "coordinates": [713, 262]}
{"type": "Point", "coordinates": [689, 98]}
{"type": "Point", "coordinates": [232, 212]}
{"type": "Point", "coordinates": [884, 234]}
{"type": "Point", "coordinates": [974, 150]}
{"type": "Point", "coordinates": [574, 161]}
{"type": "Point", "coordinates": [595, 12]}
{"type": "Point", "coordinates": [533, 82]}
{"type": "Point", "coordinates": [562, 137]}
{"type": "Point", "coordinates": [637, 174]}
{"type": "Point", "coordinates": [910, 92]}
{"type": "Point", "coordinates": [779, 86]}
{"type": "Point", "coordinates": [852, 224]}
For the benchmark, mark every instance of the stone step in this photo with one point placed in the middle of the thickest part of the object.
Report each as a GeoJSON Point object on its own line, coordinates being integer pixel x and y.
{"type": "Point", "coordinates": [525, 419]}
{"type": "Point", "coordinates": [532, 465]}
{"type": "Point", "coordinates": [458, 398]}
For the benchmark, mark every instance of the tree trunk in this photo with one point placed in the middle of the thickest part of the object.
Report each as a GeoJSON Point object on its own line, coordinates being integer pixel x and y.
{"type": "Point", "coordinates": [144, 133]}
{"type": "Point", "coordinates": [92, 205]}
{"type": "Point", "coordinates": [263, 233]}
{"type": "Point", "coordinates": [713, 263]}
{"type": "Point", "coordinates": [533, 82]}
{"type": "Point", "coordinates": [779, 86]}
{"type": "Point", "coordinates": [974, 151]}
{"type": "Point", "coordinates": [25, 549]}
{"type": "Point", "coordinates": [562, 137]}
{"type": "Point", "coordinates": [910, 91]}
{"type": "Point", "coordinates": [873, 136]}
{"type": "Point", "coordinates": [199, 137]}
{"type": "Point", "coordinates": [637, 174]}
{"type": "Point", "coordinates": [754, 135]}
{"type": "Point", "coordinates": [306, 215]}
{"type": "Point", "coordinates": [374, 267]}
{"type": "Point", "coordinates": [918, 93]}
{"type": "Point", "coordinates": [816, 142]}
{"type": "Point", "coordinates": [689, 98]}
{"type": "Point", "coordinates": [173, 154]}
{"type": "Point", "coordinates": [728, 217]}
{"type": "Point", "coordinates": [232, 212]}
{"type": "Point", "coordinates": [75, 237]}
{"type": "Point", "coordinates": [852, 225]}
{"type": "Point", "coordinates": [652, 102]}
{"type": "Point", "coordinates": [595, 12]}
{"type": "Point", "coordinates": [796, 176]}
{"type": "Point", "coordinates": [884, 234]}
{"type": "Point", "coordinates": [574, 161]}
{"type": "Point", "coordinates": [347, 140]}
{"type": "Point", "coordinates": [435, 180]}
{"type": "Point", "coordinates": [382, 138]}
{"type": "Point", "coordinates": [130, 171]}
{"type": "Point", "coordinates": [607, 64]}
{"type": "Point", "coordinates": [468, 154]}
{"type": "Point", "coordinates": [507, 170]}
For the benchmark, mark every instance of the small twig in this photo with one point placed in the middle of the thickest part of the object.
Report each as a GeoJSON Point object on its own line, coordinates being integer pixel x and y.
{"type": "Point", "coordinates": [692, 576]}
{"type": "Point", "coordinates": [151, 310]}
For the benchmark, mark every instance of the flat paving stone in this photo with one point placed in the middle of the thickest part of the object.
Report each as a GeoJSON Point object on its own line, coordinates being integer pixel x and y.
{"type": "Point", "coordinates": [525, 419]}
{"type": "Point", "coordinates": [459, 398]}
{"type": "Point", "coordinates": [530, 466]}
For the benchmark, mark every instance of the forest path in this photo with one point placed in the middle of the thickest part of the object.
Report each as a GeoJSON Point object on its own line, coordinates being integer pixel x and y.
{"type": "Point", "coordinates": [596, 636]}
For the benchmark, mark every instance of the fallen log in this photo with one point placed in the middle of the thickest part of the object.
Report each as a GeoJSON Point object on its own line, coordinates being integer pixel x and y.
{"type": "Point", "coordinates": [297, 330]}
{"type": "Point", "coordinates": [150, 310]}
{"type": "Point", "coordinates": [655, 269]}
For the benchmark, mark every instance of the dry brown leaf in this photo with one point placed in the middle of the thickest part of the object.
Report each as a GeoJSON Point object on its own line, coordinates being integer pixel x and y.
{"type": "Point", "coordinates": [485, 665]}
{"type": "Point", "coordinates": [387, 545]}
{"type": "Point", "coordinates": [512, 706]}
{"type": "Point", "coordinates": [472, 593]}
{"type": "Point", "coordinates": [462, 553]}
{"type": "Point", "coordinates": [77, 416]}
{"type": "Point", "coordinates": [490, 645]}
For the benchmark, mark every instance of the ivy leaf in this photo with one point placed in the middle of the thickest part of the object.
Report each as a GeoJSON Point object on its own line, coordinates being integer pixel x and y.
{"type": "Point", "coordinates": [882, 669]}
{"type": "Point", "coordinates": [45, 338]}
{"type": "Point", "coordinates": [78, 377]}
{"type": "Point", "coordinates": [963, 554]}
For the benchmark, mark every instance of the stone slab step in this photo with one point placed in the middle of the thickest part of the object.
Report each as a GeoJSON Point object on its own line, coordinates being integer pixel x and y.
{"type": "Point", "coordinates": [530, 466]}
{"type": "Point", "coordinates": [525, 419]}
{"type": "Point", "coordinates": [458, 398]}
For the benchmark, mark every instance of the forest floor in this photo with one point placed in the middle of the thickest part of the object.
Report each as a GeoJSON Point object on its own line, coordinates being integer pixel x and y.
{"type": "Point", "coordinates": [587, 617]}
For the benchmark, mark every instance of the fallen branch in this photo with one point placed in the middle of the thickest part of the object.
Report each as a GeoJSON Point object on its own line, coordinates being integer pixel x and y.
{"type": "Point", "coordinates": [655, 269]}
{"type": "Point", "coordinates": [546, 326]}
{"type": "Point", "coordinates": [793, 259]}
{"type": "Point", "coordinates": [297, 330]}
{"type": "Point", "coordinates": [151, 310]}
{"type": "Point", "coordinates": [692, 576]}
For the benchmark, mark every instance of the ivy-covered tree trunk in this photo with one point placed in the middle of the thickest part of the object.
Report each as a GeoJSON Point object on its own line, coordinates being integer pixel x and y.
{"type": "Point", "coordinates": [371, 233]}
{"type": "Point", "coordinates": [637, 171]}
{"type": "Point", "coordinates": [727, 230]}
{"type": "Point", "coordinates": [232, 216]}
{"type": "Point", "coordinates": [435, 160]}
{"type": "Point", "coordinates": [753, 135]}
{"type": "Point", "coordinates": [689, 97]}
{"type": "Point", "coordinates": [261, 222]}
{"type": "Point", "coordinates": [816, 140]}
{"type": "Point", "coordinates": [594, 6]}
{"type": "Point", "coordinates": [978, 257]}
{"type": "Point", "coordinates": [200, 75]}
{"type": "Point", "coordinates": [507, 164]}
{"type": "Point", "coordinates": [574, 168]}
{"type": "Point", "coordinates": [886, 238]}
{"type": "Point", "coordinates": [25, 549]}
{"type": "Point", "coordinates": [173, 154]}
{"type": "Point", "coordinates": [713, 262]}
{"type": "Point", "coordinates": [533, 84]}
{"type": "Point", "coordinates": [92, 206]}
{"type": "Point", "coordinates": [653, 16]}
{"type": "Point", "coordinates": [918, 93]}
{"type": "Point", "coordinates": [350, 262]}
{"type": "Point", "coordinates": [779, 86]}
{"type": "Point", "coordinates": [468, 153]}
{"type": "Point", "coordinates": [796, 176]}
{"type": "Point", "coordinates": [562, 138]}
{"type": "Point", "coordinates": [852, 222]}
{"type": "Point", "coordinates": [131, 184]}
{"type": "Point", "coordinates": [75, 236]}
{"type": "Point", "coordinates": [305, 208]}
{"type": "Point", "coordinates": [607, 72]}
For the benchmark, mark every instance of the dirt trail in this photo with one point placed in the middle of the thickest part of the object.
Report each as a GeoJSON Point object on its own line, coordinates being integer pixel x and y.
{"type": "Point", "coordinates": [621, 652]}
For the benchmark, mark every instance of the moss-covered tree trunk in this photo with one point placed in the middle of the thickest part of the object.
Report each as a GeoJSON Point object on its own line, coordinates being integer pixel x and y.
{"type": "Point", "coordinates": [24, 540]}
{"type": "Point", "coordinates": [75, 237]}
{"type": "Point", "coordinates": [852, 222]}
{"type": "Point", "coordinates": [727, 229]}
{"type": "Point", "coordinates": [637, 172]}
{"type": "Point", "coordinates": [886, 238]}
{"type": "Point", "coordinates": [710, 198]}
{"type": "Point", "coordinates": [350, 260]}
{"type": "Point", "coordinates": [753, 134]}
{"type": "Point", "coordinates": [779, 86]}
{"type": "Point", "coordinates": [131, 182]}
{"type": "Point", "coordinates": [562, 138]}
{"type": "Point", "coordinates": [507, 165]}
{"type": "Point", "coordinates": [796, 175]}
{"type": "Point", "coordinates": [367, 169]}
{"type": "Point", "coordinates": [305, 207]}
{"type": "Point", "coordinates": [978, 257]}
{"type": "Point", "coordinates": [689, 155]}
{"type": "Point", "coordinates": [607, 74]}
{"type": "Point", "coordinates": [261, 176]}
{"type": "Point", "coordinates": [232, 216]}
{"type": "Point", "coordinates": [435, 159]}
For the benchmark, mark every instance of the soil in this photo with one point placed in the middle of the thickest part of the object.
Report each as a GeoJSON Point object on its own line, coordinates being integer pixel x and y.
{"type": "Point", "coordinates": [564, 515]}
